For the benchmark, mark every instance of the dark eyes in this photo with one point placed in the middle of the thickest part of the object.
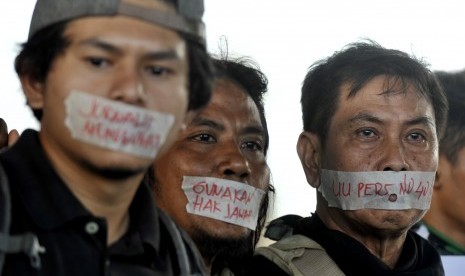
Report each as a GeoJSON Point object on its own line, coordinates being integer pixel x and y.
{"type": "Point", "coordinates": [247, 145]}
{"type": "Point", "coordinates": [255, 146]}
{"type": "Point", "coordinates": [205, 138]}
{"type": "Point", "coordinates": [157, 70]}
{"type": "Point", "coordinates": [98, 62]}
{"type": "Point", "coordinates": [366, 133]}
{"type": "Point", "coordinates": [371, 135]}
{"type": "Point", "coordinates": [416, 137]}
{"type": "Point", "coordinates": [154, 70]}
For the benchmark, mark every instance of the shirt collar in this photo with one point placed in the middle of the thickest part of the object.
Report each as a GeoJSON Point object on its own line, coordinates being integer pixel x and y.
{"type": "Point", "coordinates": [51, 203]}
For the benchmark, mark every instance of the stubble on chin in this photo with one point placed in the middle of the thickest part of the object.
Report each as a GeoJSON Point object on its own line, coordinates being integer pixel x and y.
{"type": "Point", "coordinates": [220, 247]}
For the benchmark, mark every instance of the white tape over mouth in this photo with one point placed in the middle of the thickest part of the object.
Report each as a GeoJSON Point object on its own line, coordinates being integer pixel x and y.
{"type": "Point", "coordinates": [387, 190]}
{"type": "Point", "coordinates": [115, 125]}
{"type": "Point", "coordinates": [222, 199]}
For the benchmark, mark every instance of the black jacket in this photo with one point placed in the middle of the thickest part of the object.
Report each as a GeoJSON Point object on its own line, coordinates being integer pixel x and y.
{"type": "Point", "coordinates": [74, 240]}
{"type": "Point", "coordinates": [418, 257]}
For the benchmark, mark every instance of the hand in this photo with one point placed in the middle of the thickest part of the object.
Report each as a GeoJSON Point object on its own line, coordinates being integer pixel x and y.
{"type": "Point", "coordinates": [7, 139]}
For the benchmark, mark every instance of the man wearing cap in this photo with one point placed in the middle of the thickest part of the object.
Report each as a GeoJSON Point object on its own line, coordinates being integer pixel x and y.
{"type": "Point", "coordinates": [110, 82]}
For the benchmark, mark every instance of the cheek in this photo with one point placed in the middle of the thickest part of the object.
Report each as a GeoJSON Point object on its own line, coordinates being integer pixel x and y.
{"type": "Point", "coordinates": [170, 138]}
{"type": "Point", "coordinates": [262, 177]}
{"type": "Point", "coordinates": [458, 179]}
{"type": "Point", "coordinates": [177, 108]}
{"type": "Point", "coordinates": [167, 173]}
{"type": "Point", "coordinates": [168, 191]}
{"type": "Point", "coordinates": [343, 161]}
{"type": "Point", "coordinates": [54, 95]}
{"type": "Point", "coordinates": [427, 161]}
{"type": "Point", "coordinates": [178, 162]}
{"type": "Point", "coordinates": [172, 98]}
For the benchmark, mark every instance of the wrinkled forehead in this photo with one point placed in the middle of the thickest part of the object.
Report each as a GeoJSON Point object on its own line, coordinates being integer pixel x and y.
{"type": "Point", "coordinates": [237, 94]}
{"type": "Point", "coordinates": [384, 91]}
{"type": "Point", "coordinates": [390, 85]}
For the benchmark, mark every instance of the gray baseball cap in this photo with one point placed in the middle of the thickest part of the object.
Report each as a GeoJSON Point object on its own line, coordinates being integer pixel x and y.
{"type": "Point", "coordinates": [187, 19]}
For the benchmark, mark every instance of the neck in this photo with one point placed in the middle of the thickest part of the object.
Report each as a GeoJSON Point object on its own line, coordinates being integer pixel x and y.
{"type": "Point", "coordinates": [386, 246]}
{"type": "Point", "coordinates": [104, 197]}
{"type": "Point", "coordinates": [222, 252]}
{"type": "Point", "coordinates": [449, 227]}
{"type": "Point", "coordinates": [387, 249]}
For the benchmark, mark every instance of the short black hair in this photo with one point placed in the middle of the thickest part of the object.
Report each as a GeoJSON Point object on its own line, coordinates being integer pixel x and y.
{"type": "Point", "coordinates": [454, 137]}
{"type": "Point", "coordinates": [356, 65]}
{"type": "Point", "coordinates": [40, 50]}
{"type": "Point", "coordinates": [247, 75]}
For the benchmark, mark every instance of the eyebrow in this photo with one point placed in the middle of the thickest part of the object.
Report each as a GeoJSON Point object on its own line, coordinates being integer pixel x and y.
{"type": "Point", "coordinates": [108, 47]}
{"type": "Point", "coordinates": [252, 129]}
{"type": "Point", "coordinates": [421, 120]}
{"type": "Point", "coordinates": [201, 121]}
{"type": "Point", "coordinates": [365, 117]}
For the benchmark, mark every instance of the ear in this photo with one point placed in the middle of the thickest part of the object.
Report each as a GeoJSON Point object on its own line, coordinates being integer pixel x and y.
{"type": "Point", "coordinates": [443, 172]}
{"type": "Point", "coordinates": [309, 151]}
{"type": "Point", "coordinates": [33, 90]}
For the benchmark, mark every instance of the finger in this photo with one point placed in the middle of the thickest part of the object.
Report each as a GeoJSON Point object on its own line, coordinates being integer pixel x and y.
{"type": "Point", "coordinates": [13, 137]}
{"type": "Point", "coordinates": [3, 134]}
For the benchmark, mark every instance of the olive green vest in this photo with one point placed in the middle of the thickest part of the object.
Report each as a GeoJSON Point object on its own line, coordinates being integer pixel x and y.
{"type": "Point", "coordinates": [300, 255]}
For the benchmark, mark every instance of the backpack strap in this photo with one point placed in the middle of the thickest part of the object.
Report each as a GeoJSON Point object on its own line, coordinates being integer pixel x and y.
{"type": "Point", "coordinates": [5, 214]}
{"type": "Point", "coordinates": [180, 241]}
{"type": "Point", "coordinates": [300, 255]}
{"type": "Point", "coordinates": [318, 262]}
{"type": "Point", "coordinates": [27, 243]}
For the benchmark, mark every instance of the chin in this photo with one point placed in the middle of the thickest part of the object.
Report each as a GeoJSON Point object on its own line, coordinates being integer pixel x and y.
{"type": "Point", "coordinates": [221, 229]}
{"type": "Point", "coordinates": [224, 241]}
{"type": "Point", "coordinates": [395, 220]}
{"type": "Point", "coordinates": [117, 165]}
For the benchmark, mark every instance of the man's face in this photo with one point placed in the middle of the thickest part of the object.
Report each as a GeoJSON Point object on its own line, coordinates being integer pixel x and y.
{"type": "Point", "coordinates": [372, 131]}
{"type": "Point", "coordinates": [121, 59]}
{"type": "Point", "coordinates": [450, 190]}
{"type": "Point", "coordinates": [225, 140]}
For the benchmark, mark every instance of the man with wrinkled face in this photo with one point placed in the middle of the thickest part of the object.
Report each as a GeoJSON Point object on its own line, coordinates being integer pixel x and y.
{"type": "Point", "coordinates": [373, 118]}
{"type": "Point", "coordinates": [213, 180]}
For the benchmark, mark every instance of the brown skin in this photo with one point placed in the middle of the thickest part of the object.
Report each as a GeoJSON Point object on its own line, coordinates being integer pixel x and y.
{"type": "Point", "coordinates": [7, 138]}
{"type": "Point", "coordinates": [130, 59]}
{"type": "Point", "coordinates": [373, 132]}
{"type": "Point", "coordinates": [224, 140]}
{"type": "Point", "coordinates": [446, 213]}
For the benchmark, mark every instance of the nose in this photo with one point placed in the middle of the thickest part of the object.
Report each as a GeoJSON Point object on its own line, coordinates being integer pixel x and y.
{"type": "Point", "coordinates": [394, 158]}
{"type": "Point", "coordinates": [232, 163]}
{"type": "Point", "coordinates": [128, 86]}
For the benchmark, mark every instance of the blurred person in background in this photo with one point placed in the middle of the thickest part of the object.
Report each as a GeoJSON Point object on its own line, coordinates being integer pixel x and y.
{"type": "Point", "coordinates": [444, 224]}
{"type": "Point", "coordinates": [110, 82]}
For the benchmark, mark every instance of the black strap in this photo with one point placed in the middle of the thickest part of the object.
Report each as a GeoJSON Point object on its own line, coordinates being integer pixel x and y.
{"type": "Point", "coordinates": [185, 268]}
{"type": "Point", "coordinates": [27, 243]}
{"type": "Point", "coordinates": [181, 252]}
{"type": "Point", "coordinates": [5, 210]}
